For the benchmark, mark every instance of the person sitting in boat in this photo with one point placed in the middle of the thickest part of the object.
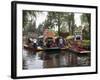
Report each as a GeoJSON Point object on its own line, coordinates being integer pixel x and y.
{"type": "Point", "coordinates": [40, 43]}
{"type": "Point", "coordinates": [61, 42]}
{"type": "Point", "coordinates": [29, 41]}
{"type": "Point", "coordinates": [49, 42]}
{"type": "Point", "coordinates": [35, 43]}
{"type": "Point", "coordinates": [53, 44]}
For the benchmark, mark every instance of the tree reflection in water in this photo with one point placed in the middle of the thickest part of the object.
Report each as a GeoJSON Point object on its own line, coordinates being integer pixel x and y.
{"type": "Point", "coordinates": [53, 59]}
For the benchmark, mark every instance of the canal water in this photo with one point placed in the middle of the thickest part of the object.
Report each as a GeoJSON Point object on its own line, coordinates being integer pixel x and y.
{"type": "Point", "coordinates": [54, 59]}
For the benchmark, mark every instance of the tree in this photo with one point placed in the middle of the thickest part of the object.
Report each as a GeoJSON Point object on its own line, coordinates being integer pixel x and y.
{"type": "Point", "coordinates": [26, 15]}
{"type": "Point", "coordinates": [59, 19]}
{"type": "Point", "coordinates": [71, 22]}
{"type": "Point", "coordinates": [40, 29]}
{"type": "Point", "coordinates": [29, 20]}
{"type": "Point", "coordinates": [86, 20]}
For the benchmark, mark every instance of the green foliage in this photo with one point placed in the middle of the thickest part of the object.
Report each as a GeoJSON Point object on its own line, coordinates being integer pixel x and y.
{"type": "Point", "coordinates": [29, 20]}
{"type": "Point", "coordinates": [26, 15]}
{"type": "Point", "coordinates": [86, 43]}
{"type": "Point", "coordinates": [85, 18]}
{"type": "Point", "coordinates": [56, 34]}
{"type": "Point", "coordinates": [86, 34]}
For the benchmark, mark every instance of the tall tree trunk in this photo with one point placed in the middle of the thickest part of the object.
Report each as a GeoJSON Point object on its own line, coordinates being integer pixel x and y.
{"type": "Point", "coordinates": [90, 27]}
{"type": "Point", "coordinates": [69, 26]}
{"type": "Point", "coordinates": [72, 15]}
{"type": "Point", "coordinates": [59, 23]}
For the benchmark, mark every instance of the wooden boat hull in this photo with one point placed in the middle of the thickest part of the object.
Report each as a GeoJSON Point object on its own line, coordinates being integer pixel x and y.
{"type": "Point", "coordinates": [56, 49]}
{"type": "Point", "coordinates": [44, 49]}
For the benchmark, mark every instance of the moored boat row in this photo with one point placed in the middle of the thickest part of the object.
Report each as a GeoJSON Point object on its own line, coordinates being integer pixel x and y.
{"type": "Point", "coordinates": [55, 49]}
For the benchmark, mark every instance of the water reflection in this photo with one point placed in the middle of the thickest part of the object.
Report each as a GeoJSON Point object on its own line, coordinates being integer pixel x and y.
{"type": "Point", "coordinates": [53, 59]}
